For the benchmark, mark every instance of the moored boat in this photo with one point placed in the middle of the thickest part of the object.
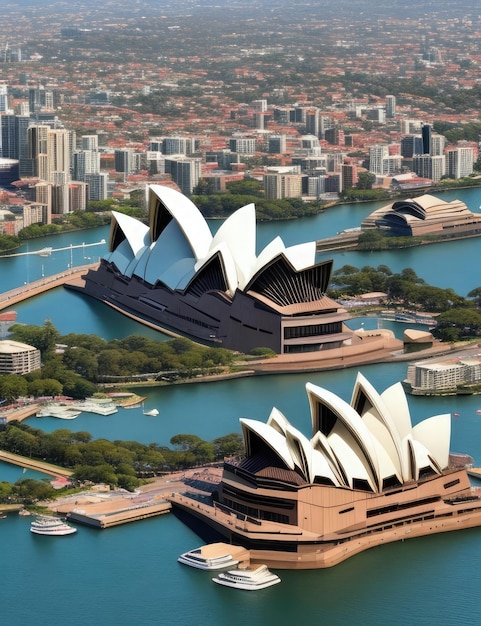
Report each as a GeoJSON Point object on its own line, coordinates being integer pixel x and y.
{"type": "Point", "coordinates": [210, 557]}
{"type": "Point", "coordinates": [152, 412]}
{"type": "Point", "coordinates": [248, 579]}
{"type": "Point", "coordinates": [52, 526]}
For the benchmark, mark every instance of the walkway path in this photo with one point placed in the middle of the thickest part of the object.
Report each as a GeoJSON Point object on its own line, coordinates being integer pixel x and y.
{"type": "Point", "coordinates": [40, 466]}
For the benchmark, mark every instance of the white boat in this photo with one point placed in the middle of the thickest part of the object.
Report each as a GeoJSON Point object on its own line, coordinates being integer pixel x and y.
{"type": "Point", "coordinates": [207, 558]}
{"type": "Point", "coordinates": [153, 412]}
{"type": "Point", "coordinates": [53, 526]}
{"type": "Point", "coordinates": [61, 412]}
{"type": "Point", "coordinates": [249, 579]}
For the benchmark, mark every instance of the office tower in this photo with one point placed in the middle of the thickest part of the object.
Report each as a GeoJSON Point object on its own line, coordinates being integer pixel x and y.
{"type": "Point", "coordinates": [178, 145]}
{"type": "Point", "coordinates": [277, 144]}
{"type": "Point", "coordinates": [185, 172]}
{"type": "Point", "coordinates": [459, 162]}
{"type": "Point", "coordinates": [97, 186]}
{"type": "Point", "coordinates": [123, 161]}
{"type": "Point", "coordinates": [410, 145]}
{"type": "Point", "coordinates": [426, 135]}
{"type": "Point", "coordinates": [243, 145]}
{"type": "Point", "coordinates": [85, 162]}
{"type": "Point", "coordinates": [324, 124]}
{"type": "Point", "coordinates": [90, 142]}
{"type": "Point", "coordinates": [390, 106]}
{"type": "Point", "coordinates": [427, 166]}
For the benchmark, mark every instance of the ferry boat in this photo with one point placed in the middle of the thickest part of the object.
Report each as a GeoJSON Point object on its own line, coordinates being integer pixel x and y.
{"type": "Point", "coordinates": [248, 579]}
{"type": "Point", "coordinates": [52, 526]}
{"type": "Point", "coordinates": [210, 557]}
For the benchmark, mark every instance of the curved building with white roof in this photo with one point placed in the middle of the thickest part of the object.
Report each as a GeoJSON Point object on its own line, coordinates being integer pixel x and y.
{"type": "Point", "coordinates": [366, 476]}
{"type": "Point", "coordinates": [174, 275]}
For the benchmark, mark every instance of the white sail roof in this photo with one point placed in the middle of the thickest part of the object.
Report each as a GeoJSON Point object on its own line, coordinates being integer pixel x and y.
{"type": "Point", "coordinates": [358, 450]}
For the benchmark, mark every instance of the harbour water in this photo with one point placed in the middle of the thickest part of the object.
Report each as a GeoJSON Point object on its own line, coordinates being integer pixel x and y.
{"type": "Point", "coordinates": [130, 575]}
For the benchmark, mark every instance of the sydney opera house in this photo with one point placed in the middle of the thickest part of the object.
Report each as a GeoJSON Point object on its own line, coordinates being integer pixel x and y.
{"type": "Point", "coordinates": [366, 476]}
{"type": "Point", "coordinates": [173, 274]}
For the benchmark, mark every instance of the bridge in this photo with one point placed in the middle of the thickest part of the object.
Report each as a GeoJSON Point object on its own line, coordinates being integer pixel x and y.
{"type": "Point", "coordinates": [35, 288]}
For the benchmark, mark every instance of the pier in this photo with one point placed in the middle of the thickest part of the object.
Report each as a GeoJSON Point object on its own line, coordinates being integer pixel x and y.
{"type": "Point", "coordinates": [48, 250]}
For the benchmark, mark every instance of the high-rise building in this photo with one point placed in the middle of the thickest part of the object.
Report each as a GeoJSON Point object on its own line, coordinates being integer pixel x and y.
{"type": "Point", "coordinates": [278, 184]}
{"type": "Point", "coordinates": [390, 106]}
{"type": "Point", "coordinates": [410, 145]}
{"type": "Point", "coordinates": [377, 155]}
{"type": "Point", "coordinates": [277, 144]}
{"type": "Point", "coordinates": [259, 105]}
{"type": "Point", "coordinates": [90, 142]}
{"type": "Point", "coordinates": [97, 186]}
{"type": "Point", "coordinates": [185, 172]}
{"type": "Point", "coordinates": [427, 166]}
{"type": "Point", "coordinates": [155, 145]}
{"type": "Point", "coordinates": [85, 162]}
{"type": "Point", "coordinates": [312, 122]}
{"type": "Point", "coordinates": [243, 145]}
{"type": "Point", "coordinates": [334, 136]}
{"type": "Point", "coordinates": [459, 162]}
{"type": "Point", "coordinates": [4, 98]}
{"type": "Point", "coordinates": [349, 176]}
{"type": "Point", "coordinates": [438, 144]}
{"type": "Point", "coordinates": [426, 132]}
{"type": "Point", "coordinates": [123, 160]}
{"type": "Point", "coordinates": [58, 153]}
{"type": "Point", "coordinates": [77, 196]}
{"type": "Point", "coordinates": [178, 145]}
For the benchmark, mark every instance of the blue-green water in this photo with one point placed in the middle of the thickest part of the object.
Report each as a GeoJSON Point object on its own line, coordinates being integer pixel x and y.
{"type": "Point", "coordinates": [129, 575]}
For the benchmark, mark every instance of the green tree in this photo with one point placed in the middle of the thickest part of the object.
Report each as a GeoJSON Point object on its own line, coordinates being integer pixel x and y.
{"type": "Point", "coordinates": [13, 386]}
{"type": "Point", "coordinates": [366, 180]}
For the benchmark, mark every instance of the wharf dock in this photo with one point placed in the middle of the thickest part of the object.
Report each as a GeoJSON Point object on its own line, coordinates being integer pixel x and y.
{"type": "Point", "coordinates": [117, 512]}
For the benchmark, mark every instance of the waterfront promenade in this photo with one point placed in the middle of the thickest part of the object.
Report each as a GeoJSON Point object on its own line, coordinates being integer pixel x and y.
{"type": "Point", "coordinates": [39, 466]}
{"type": "Point", "coordinates": [37, 287]}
